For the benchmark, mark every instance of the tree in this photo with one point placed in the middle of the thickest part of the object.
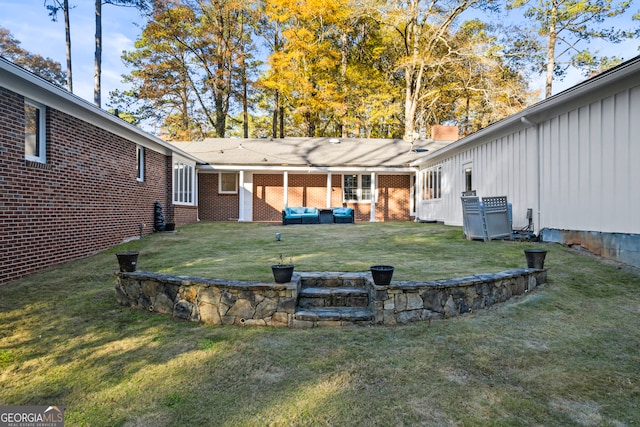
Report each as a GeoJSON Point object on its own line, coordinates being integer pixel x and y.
{"type": "Point", "coordinates": [163, 85]}
{"type": "Point", "coordinates": [142, 5]}
{"type": "Point", "coordinates": [192, 64]}
{"type": "Point", "coordinates": [423, 28]}
{"type": "Point", "coordinates": [565, 23]}
{"type": "Point", "coordinates": [46, 68]}
{"type": "Point", "coordinates": [484, 86]}
{"type": "Point", "coordinates": [326, 66]}
{"type": "Point", "coordinates": [54, 8]}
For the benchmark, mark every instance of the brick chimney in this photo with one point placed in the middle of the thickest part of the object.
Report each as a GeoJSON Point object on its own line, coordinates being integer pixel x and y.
{"type": "Point", "coordinates": [444, 133]}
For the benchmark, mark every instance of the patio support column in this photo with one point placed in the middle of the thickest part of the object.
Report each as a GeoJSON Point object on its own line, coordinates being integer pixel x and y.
{"type": "Point", "coordinates": [241, 196]}
{"type": "Point", "coordinates": [328, 190]}
{"type": "Point", "coordinates": [418, 195]}
{"type": "Point", "coordinates": [285, 184]}
{"type": "Point", "coordinates": [374, 195]}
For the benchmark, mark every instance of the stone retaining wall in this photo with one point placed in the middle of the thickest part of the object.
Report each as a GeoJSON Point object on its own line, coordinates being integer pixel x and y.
{"type": "Point", "coordinates": [220, 302]}
{"type": "Point", "coordinates": [403, 302]}
{"type": "Point", "coordinates": [210, 301]}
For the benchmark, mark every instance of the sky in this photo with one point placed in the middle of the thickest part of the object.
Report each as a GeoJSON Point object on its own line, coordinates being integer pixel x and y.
{"type": "Point", "coordinates": [28, 22]}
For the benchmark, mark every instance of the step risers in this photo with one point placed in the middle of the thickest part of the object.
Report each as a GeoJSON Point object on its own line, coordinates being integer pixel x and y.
{"type": "Point", "coordinates": [327, 280]}
{"type": "Point", "coordinates": [333, 297]}
{"type": "Point", "coordinates": [335, 314]}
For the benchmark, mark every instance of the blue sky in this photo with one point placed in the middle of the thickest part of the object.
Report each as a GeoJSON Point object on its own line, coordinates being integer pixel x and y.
{"type": "Point", "coordinates": [29, 23]}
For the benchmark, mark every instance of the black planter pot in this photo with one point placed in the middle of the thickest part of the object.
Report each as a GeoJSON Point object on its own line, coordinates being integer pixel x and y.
{"type": "Point", "coordinates": [127, 261]}
{"type": "Point", "coordinates": [382, 274]}
{"type": "Point", "coordinates": [282, 273]}
{"type": "Point", "coordinates": [535, 258]}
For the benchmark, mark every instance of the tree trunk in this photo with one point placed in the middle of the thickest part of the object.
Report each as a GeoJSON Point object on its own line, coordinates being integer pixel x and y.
{"type": "Point", "coordinates": [281, 118]}
{"type": "Point", "coordinates": [67, 32]}
{"type": "Point", "coordinates": [274, 125]}
{"type": "Point", "coordinates": [551, 50]}
{"type": "Point", "coordinates": [343, 75]}
{"type": "Point", "coordinates": [97, 71]}
{"type": "Point", "coordinates": [245, 103]}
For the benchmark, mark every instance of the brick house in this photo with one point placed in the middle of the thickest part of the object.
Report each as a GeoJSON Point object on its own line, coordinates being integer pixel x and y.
{"type": "Point", "coordinates": [75, 179]}
{"type": "Point", "coordinates": [254, 179]}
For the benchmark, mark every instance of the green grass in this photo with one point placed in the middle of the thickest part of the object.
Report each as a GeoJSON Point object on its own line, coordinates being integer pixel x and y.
{"type": "Point", "coordinates": [566, 354]}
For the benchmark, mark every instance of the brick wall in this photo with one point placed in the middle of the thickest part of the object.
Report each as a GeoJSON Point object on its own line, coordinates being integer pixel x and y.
{"type": "Point", "coordinates": [84, 199]}
{"type": "Point", "coordinates": [394, 198]}
{"type": "Point", "coordinates": [268, 194]}
{"type": "Point", "coordinates": [213, 205]}
{"type": "Point", "coordinates": [308, 190]}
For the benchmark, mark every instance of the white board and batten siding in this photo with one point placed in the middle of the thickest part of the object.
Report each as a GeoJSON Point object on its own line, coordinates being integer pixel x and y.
{"type": "Point", "coordinates": [574, 159]}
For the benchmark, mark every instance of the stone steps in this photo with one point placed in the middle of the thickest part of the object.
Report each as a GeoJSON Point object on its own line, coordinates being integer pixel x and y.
{"type": "Point", "coordinates": [343, 314]}
{"type": "Point", "coordinates": [333, 280]}
{"type": "Point", "coordinates": [333, 297]}
{"type": "Point", "coordinates": [327, 299]}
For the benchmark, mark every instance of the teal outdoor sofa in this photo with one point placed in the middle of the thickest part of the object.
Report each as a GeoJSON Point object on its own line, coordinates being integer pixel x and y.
{"type": "Point", "coordinates": [300, 215]}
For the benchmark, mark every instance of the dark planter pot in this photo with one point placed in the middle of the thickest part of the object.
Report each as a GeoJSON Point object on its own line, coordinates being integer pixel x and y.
{"type": "Point", "coordinates": [127, 261]}
{"type": "Point", "coordinates": [170, 226]}
{"type": "Point", "coordinates": [282, 273]}
{"type": "Point", "coordinates": [535, 258]}
{"type": "Point", "coordinates": [382, 274]}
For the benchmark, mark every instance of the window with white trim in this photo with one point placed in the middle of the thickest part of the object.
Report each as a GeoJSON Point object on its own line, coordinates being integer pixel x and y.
{"type": "Point", "coordinates": [468, 181]}
{"type": "Point", "coordinates": [356, 188]}
{"type": "Point", "coordinates": [35, 147]}
{"type": "Point", "coordinates": [227, 183]}
{"type": "Point", "coordinates": [183, 182]}
{"type": "Point", "coordinates": [140, 163]}
{"type": "Point", "coordinates": [432, 183]}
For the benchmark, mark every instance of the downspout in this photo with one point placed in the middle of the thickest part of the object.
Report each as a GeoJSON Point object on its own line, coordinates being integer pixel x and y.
{"type": "Point", "coordinates": [241, 200]}
{"type": "Point", "coordinates": [536, 127]}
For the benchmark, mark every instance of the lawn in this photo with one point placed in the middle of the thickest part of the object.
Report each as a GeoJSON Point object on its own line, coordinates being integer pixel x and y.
{"type": "Point", "coordinates": [566, 354]}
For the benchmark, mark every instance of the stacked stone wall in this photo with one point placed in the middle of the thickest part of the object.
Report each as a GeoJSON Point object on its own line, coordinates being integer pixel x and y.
{"type": "Point", "coordinates": [220, 302]}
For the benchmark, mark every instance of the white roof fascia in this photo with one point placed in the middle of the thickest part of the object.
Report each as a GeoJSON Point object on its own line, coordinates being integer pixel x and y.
{"type": "Point", "coordinates": [37, 89]}
{"type": "Point", "coordinates": [610, 82]}
{"type": "Point", "coordinates": [305, 169]}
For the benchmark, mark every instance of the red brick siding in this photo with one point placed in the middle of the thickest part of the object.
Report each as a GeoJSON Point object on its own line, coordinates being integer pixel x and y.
{"type": "Point", "coordinates": [394, 198]}
{"type": "Point", "coordinates": [268, 195]}
{"type": "Point", "coordinates": [183, 215]}
{"type": "Point", "coordinates": [308, 190]}
{"type": "Point", "coordinates": [84, 199]}
{"type": "Point", "coordinates": [213, 205]}
{"type": "Point", "coordinates": [336, 190]}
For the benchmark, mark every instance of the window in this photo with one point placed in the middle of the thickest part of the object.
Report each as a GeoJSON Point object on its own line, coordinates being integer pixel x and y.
{"type": "Point", "coordinates": [183, 182]}
{"type": "Point", "coordinates": [431, 183]}
{"type": "Point", "coordinates": [140, 163]}
{"type": "Point", "coordinates": [228, 183]}
{"type": "Point", "coordinates": [34, 132]}
{"type": "Point", "coordinates": [468, 183]}
{"type": "Point", "coordinates": [356, 188]}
